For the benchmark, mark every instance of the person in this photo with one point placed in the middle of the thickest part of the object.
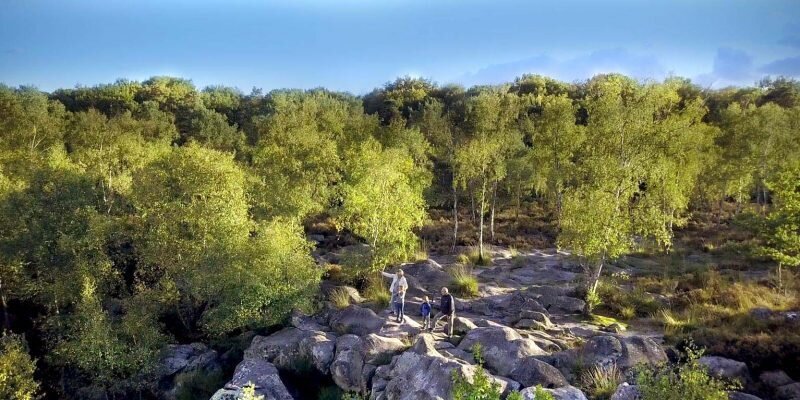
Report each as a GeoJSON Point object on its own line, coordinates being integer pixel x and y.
{"type": "Point", "coordinates": [425, 310]}
{"type": "Point", "coordinates": [391, 289]}
{"type": "Point", "coordinates": [400, 297]}
{"type": "Point", "coordinates": [447, 308]}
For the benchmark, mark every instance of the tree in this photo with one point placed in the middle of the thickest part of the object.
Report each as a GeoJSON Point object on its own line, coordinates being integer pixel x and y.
{"type": "Point", "coordinates": [16, 369]}
{"type": "Point", "coordinates": [626, 185]}
{"type": "Point", "coordinates": [382, 202]}
{"type": "Point", "coordinates": [781, 232]}
{"type": "Point", "coordinates": [480, 162]}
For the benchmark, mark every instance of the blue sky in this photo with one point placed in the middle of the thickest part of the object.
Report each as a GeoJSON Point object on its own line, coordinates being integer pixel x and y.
{"type": "Point", "coordinates": [356, 45]}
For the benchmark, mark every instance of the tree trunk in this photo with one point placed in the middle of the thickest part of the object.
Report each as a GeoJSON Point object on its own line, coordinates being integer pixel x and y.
{"type": "Point", "coordinates": [780, 278]}
{"type": "Point", "coordinates": [455, 217]}
{"type": "Point", "coordinates": [480, 223]}
{"type": "Point", "coordinates": [491, 218]}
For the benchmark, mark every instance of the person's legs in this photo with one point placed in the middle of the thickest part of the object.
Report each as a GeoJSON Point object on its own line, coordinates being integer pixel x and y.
{"type": "Point", "coordinates": [451, 319]}
{"type": "Point", "coordinates": [401, 305]}
{"type": "Point", "coordinates": [426, 322]}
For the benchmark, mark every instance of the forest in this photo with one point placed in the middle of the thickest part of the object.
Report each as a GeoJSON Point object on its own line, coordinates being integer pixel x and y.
{"type": "Point", "coordinates": [138, 214]}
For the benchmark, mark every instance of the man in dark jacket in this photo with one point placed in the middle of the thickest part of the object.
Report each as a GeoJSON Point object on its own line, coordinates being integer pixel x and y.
{"type": "Point", "coordinates": [447, 308]}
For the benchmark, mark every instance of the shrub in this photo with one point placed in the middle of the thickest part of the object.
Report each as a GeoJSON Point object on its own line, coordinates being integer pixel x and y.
{"type": "Point", "coordinates": [249, 393]}
{"type": "Point", "coordinates": [688, 381]}
{"type": "Point", "coordinates": [463, 259]}
{"type": "Point", "coordinates": [339, 297]}
{"type": "Point", "coordinates": [538, 394]}
{"type": "Point", "coordinates": [376, 292]}
{"type": "Point", "coordinates": [464, 283]}
{"type": "Point", "coordinates": [601, 381]}
{"type": "Point", "coordinates": [475, 257]}
{"type": "Point", "coordinates": [481, 387]}
{"type": "Point", "coordinates": [16, 370]}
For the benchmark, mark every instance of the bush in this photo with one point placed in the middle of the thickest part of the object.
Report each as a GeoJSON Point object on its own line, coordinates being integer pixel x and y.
{"type": "Point", "coordinates": [464, 283]}
{"type": "Point", "coordinates": [601, 381]}
{"type": "Point", "coordinates": [482, 385]}
{"type": "Point", "coordinates": [376, 292]}
{"type": "Point", "coordinates": [687, 381]}
{"type": "Point", "coordinates": [16, 369]}
{"type": "Point", "coordinates": [339, 297]}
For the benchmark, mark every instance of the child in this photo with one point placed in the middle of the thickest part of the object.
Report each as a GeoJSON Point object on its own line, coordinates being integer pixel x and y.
{"type": "Point", "coordinates": [425, 309]}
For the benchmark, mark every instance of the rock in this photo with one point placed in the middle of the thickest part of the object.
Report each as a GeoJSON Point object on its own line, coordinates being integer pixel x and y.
{"type": "Point", "coordinates": [561, 303]}
{"type": "Point", "coordinates": [356, 320]}
{"type": "Point", "coordinates": [626, 392]}
{"type": "Point", "coordinates": [740, 396]}
{"type": "Point", "coordinates": [461, 326]}
{"type": "Point", "coordinates": [774, 379]}
{"type": "Point", "coordinates": [788, 392]}
{"type": "Point", "coordinates": [532, 324]}
{"type": "Point", "coordinates": [294, 349]}
{"type": "Point", "coordinates": [346, 369]}
{"type": "Point", "coordinates": [640, 350]}
{"type": "Point", "coordinates": [378, 350]}
{"type": "Point", "coordinates": [614, 328]}
{"type": "Point", "coordinates": [726, 368]}
{"type": "Point", "coordinates": [260, 373]}
{"type": "Point", "coordinates": [305, 322]}
{"type": "Point", "coordinates": [186, 358]}
{"type": "Point", "coordinates": [180, 363]}
{"type": "Point", "coordinates": [604, 350]}
{"type": "Point", "coordinates": [563, 393]}
{"type": "Point", "coordinates": [352, 293]}
{"type": "Point", "coordinates": [538, 317]}
{"type": "Point", "coordinates": [761, 313]}
{"type": "Point", "coordinates": [503, 348]}
{"type": "Point", "coordinates": [421, 373]}
{"type": "Point", "coordinates": [530, 372]}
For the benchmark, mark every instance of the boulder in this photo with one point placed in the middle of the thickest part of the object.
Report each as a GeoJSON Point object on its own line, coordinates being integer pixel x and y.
{"type": "Point", "coordinates": [356, 320]}
{"type": "Point", "coordinates": [741, 396]}
{"type": "Point", "coordinates": [537, 316]}
{"type": "Point", "coordinates": [379, 350]}
{"type": "Point", "coordinates": [503, 348]}
{"type": "Point", "coordinates": [422, 373]}
{"type": "Point", "coordinates": [260, 373]}
{"type": "Point", "coordinates": [625, 352]}
{"type": "Point", "coordinates": [347, 367]}
{"type": "Point", "coordinates": [563, 393]}
{"type": "Point", "coordinates": [774, 379]}
{"type": "Point", "coordinates": [726, 368]}
{"type": "Point", "coordinates": [461, 326]}
{"type": "Point", "coordinates": [180, 362]}
{"type": "Point", "coordinates": [626, 392]}
{"type": "Point", "coordinates": [295, 349]}
{"type": "Point", "coordinates": [788, 392]}
{"type": "Point", "coordinates": [531, 372]}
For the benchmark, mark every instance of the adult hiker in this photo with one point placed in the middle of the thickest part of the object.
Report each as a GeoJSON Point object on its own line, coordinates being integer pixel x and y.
{"type": "Point", "coordinates": [447, 308]}
{"type": "Point", "coordinates": [398, 289]}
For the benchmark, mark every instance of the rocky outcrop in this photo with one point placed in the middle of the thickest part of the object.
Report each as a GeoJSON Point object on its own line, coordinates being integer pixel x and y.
{"type": "Point", "coordinates": [355, 320]}
{"type": "Point", "coordinates": [726, 368]}
{"type": "Point", "coordinates": [259, 373]}
{"type": "Point", "coordinates": [564, 393]}
{"type": "Point", "coordinates": [626, 392]}
{"type": "Point", "coordinates": [295, 349]}
{"type": "Point", "coordinates": [502, 348]}
{"type": "Point", "coordinates": [422, 373]}
{"type": "Point", "coordinates": [180, 362]}
{"type": "Point", "coordinates": [531, 372]}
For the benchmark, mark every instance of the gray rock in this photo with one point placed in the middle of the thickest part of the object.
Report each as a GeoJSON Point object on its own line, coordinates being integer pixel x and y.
{"type": "Point", "coordinates": [180, 362]}
{"type": "Point", "coordinates": [726, 368]}
{"type": "Point", "coordinates": [538, 317]}
{"type": "Point", "coordinates": [775, 379]}
{"type": "Point", "coordinates": [530, 372]}
{"type": "Point", "coordinates": [626, 392]}
{"type": "Point", "coordinates": [422, 373]}
{"type": "Point", "coordinates": [503, 348]}
{"type": "Point", "coordinates": [295, 349]}
{"type": "Point", "coordinates": [347, 367]}
{"type": "Point", "coordinates": [356, 320]}
{"type": "Point", "coordinates": [378, 350]}
{"type": "Point", "coordinates": [741, 396]}
{"type": "Point", "coordinates": [563, 393]}
{"type": "Point", "coordinates": [788, 392]}
{"type": "Point", "coordinates": [461, 326]}
{"type": "Point", "coordinates": [260, 373]}
{"type": "Point", "coordinates": [761, 313]}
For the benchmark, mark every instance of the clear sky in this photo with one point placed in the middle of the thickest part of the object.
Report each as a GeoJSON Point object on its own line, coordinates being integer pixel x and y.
{"type": "Point", "coordinates": [356, 45]}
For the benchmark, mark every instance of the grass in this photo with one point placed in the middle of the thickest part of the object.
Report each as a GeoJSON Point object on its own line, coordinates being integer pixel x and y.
{"type": "Point", "coordinates": [463, 282]}
{"type": "Point", "coordinates": [376, 292]}
{"type": "Point", "coordinates": [421, 254]}
{"type": "Point", "coordinates": [600, 381]}
{"type": "Point", "coordinates": [339, 297]}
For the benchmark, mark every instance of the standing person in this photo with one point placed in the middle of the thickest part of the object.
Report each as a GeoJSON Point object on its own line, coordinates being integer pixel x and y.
{"type": "Point", "coordinates": [400, 296]}
{"type": "Point", "coordinates": [447, 308]}
{"type": "Point", "coordinates": [392, 289]}
{"type": "Point", "coordinates": [425, 310]}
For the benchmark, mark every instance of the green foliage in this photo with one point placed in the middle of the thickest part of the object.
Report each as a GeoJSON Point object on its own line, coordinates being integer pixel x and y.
{"type": "Point", "coordinates": [463, 282]}
{"type": "Point", "coordinates": [601, 381]}
{"type": "Point", "coordinates": [339, 297]}
{"type": "Point", "coordinates": [481, 386]}
{"type": "Point", "coordinates": [383, 204]}
{"type": "Point", "coordinates": [687, 381]}
{"type": "Point", "coordinates": [249, 393]}
{"type": "Point", "coordinates": [16, 369]}
{"type": "Point", "coordinates": [538, 394]}
{"type": "Point", "coordinates": [377, 292]}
